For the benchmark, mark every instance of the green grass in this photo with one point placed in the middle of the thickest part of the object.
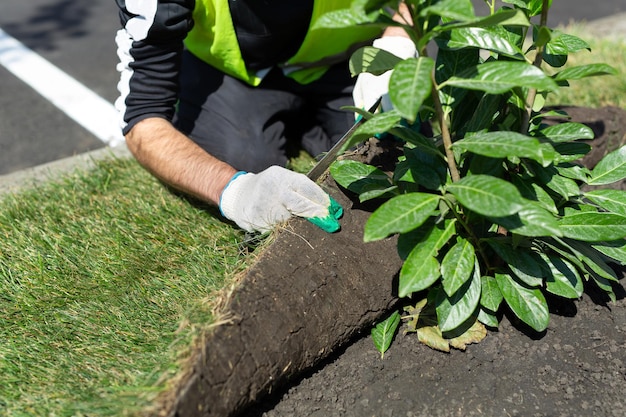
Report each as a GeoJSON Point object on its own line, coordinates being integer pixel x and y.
{"type": "Point", "coordinates": [302, 163]}
{"type": "Point", "coordinates": [595, 91]}
{"type": "Point", "coordinates": [105, 278]}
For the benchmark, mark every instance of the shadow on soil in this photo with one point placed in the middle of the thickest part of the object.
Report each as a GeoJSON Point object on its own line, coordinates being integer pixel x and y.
{"type": "Point", "coordinates": [576, 368]}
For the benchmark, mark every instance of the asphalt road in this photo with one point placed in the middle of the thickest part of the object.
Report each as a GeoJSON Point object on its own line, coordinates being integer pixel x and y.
{"type": "Point", "coordinates": [78, 37]}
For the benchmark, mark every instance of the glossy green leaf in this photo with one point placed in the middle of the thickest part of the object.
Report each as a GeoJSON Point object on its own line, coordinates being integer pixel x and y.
{"type": "Point", "coordinates": [433, 238]}
{"type": "Point", "coordinates": [373, 60]}
{"type": "Point", "coordinates": [487, 195]}
{"type": "Point", "coordinates": [400, 215]}
{"type": "Point", "coordinates": [488, 108]}
{"type": "Point", "coordinates": [419, 271]}
{"type": "Point", "coordinates": [573, 171]}
{"type": "Point", "coordinates": [523, 264]}
{"type": "Point", "coordinates": [554, 59]}
{"type": "Point", "coordinates": [564, 132]}
{"type": "Point", "coordinates": [355, 176]}
{"type": "Point", "coordinates": [490, 296]}
{"type": "Point", "coordinates": [454, 311]}
{"type": "Point", "coordinates": [502, 17]}
{"type": "Point", "coordinates": [522, 4]}
{"type": "Point", "coordinates": [610, 169]}
{"type": "Point", "coordinates": [457, 266]}
{"type": "Point", "coordinates": [461, 10]}
{"type": "Point", "coordinates": [416, 139]}
{"type": "Point", "coordinates": [563, 250]}
{"type": "Point", "coordinates": [536, 6]}
{"type": "Point", "coordinates": [584, 71]}
{"type": "Point", "coordinates": [593, 261]}
{"type": "Point", "coordinates": [593, 227]}
{"type": "Point", "coordinates": [379, 123]}
{"type": "Point", "coordinates": [375, 192]}
{"type": "Point", "coordinates": [556, 51]}
{"type": "Point", "coordinates": [615, 250]}
{"type": "Point", "coordinates": [571, 151]}
{"type": "Point", "coordinates": [509, 18]}
{"type": "Point", "coordinates": [534, 192]}
{"type": "Point", "coordinates": [564, 279]}
{"type": "Point", "coordinates": [604, 285]}
{"type": "Point", "coordinates": [342, 18]}
{"type": "Point", "coordinates": [564, 43]}
{"type": "Point", "coordinates": [383, 333]}
{"type": "Point", "coordinates": [410, 84]}
{"type": "Point", "coordinates": [584, 257]}
{"type": "Point", "coordinates": [367, 6]}
{"type": "Point", "coordinates": [409, 240]}
{"type": "Point", "coordinates": [500, 76]}
{"type": "Point", "coordinates": [565, 187]}
{"type": "Point", "coordinates": [483, 165]}
{"type": "Point", "coordinates": [450, 63]}
{"type": "Point", "coordinates": [541, 35]}
{"type": "Point", "coordinates": [532, 220]}
{"type": "Point", "coordinates": [528, 304]}
{"type": "Point", "coordinates": [487, 318]}
{"type": "Point", "coordinates": [426, 169]}
{"type": "Point", "coordinates": [507, 144]}
{"type": "Point", "coordinates": [482, 38]}
{"type": "Point", "coordinates": [533, 7]}
{"type": "Point", "coordinates": [611, 200]}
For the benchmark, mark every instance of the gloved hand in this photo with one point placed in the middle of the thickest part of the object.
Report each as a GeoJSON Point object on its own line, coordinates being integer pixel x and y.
{"type": "Point", "coordinates": [257, 202]}
{"type": "Point", "coordinates": [368, 87]}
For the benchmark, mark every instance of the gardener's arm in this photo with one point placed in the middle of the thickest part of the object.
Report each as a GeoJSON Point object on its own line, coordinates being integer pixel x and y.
{"type": "Point", "coordinates": [177, 160]}
{"type": "Point", "coordinates": [255, 202]}
{"type": "Point", "coordinates": [403, 16]}
{"type": "Point", "coordinates": [150, 46]}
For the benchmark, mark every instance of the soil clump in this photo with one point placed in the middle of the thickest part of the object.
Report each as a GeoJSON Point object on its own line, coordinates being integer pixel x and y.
{"type": "Point", "coordinates": [296, 342]}
{"type": "Point", "coordinates": [577, 367]}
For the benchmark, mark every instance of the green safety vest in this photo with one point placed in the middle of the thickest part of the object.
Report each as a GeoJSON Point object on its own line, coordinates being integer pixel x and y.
{"type": "Point", "coordinates": [213, 39]}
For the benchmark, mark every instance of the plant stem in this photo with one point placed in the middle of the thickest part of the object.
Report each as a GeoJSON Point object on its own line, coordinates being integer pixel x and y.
{"type": "Point", "coordinates": [532, 93]}
{"type": "Point", "coordinates": [445, 132]}
{"type": "Point", "coordinates": [472, 236]}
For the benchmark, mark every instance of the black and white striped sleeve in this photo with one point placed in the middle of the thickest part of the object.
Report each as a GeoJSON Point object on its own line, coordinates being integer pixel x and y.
{"type": "Point", "coordinates": [149, 48]}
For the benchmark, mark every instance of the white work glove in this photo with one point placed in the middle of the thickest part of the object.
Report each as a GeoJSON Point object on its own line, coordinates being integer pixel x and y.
{"type": "Point", "coordinates": [257, 202]}
{"type": "Point", "coordinates": [368, 87]}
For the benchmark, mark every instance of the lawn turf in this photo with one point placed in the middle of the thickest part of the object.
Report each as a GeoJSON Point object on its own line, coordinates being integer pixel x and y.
{"type": "Point", "coordinates": [105, 278]}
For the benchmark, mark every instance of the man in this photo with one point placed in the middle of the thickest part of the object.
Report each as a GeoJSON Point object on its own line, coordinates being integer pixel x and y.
{"type": "Point", "coordinates": [215, 119]}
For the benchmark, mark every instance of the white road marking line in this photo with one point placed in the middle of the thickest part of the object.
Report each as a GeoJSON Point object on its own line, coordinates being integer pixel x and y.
{"type": "Point", "coordinates": [81, 104]}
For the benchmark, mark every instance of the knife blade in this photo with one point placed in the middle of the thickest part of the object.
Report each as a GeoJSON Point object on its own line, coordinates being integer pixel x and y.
{"type": "Point", "coordinates": [333, 153]}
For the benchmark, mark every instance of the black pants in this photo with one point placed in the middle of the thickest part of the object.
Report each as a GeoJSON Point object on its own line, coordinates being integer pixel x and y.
{"type": "Point", "coordinates": [252, 128]}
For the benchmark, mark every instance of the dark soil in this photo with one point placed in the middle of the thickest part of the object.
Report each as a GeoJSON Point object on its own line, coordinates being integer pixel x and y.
{"type": "Point", "coordinates": [308, 294]}
{"type": "Point", "coordinates": [296, 344]}
{"type": "Point", "coordinates": [577, 367]}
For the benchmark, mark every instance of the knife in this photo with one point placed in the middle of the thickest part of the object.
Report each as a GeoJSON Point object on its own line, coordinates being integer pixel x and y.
{"type": "Point", "coordinates": [332, 154]}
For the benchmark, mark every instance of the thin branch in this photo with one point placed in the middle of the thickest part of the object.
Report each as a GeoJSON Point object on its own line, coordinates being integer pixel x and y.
{"type": "Point", "coordinates": [532, 93]}
{"type": "Point", "coordinates": [445, 132]}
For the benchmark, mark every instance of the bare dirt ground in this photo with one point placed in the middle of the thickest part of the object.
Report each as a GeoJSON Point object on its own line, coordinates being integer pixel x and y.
{"type": "Point", "coordinates": [577, 367]}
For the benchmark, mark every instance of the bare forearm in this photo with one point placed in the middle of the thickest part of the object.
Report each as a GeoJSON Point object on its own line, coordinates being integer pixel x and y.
{"type": "Point", "coordinates": [177, 160]}
{"type": "Point", "coordinates": [403, 16]}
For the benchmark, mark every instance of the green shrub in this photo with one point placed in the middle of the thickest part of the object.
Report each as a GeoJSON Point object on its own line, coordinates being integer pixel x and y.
{"type": "Point", "coordinates": [489, 209]}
